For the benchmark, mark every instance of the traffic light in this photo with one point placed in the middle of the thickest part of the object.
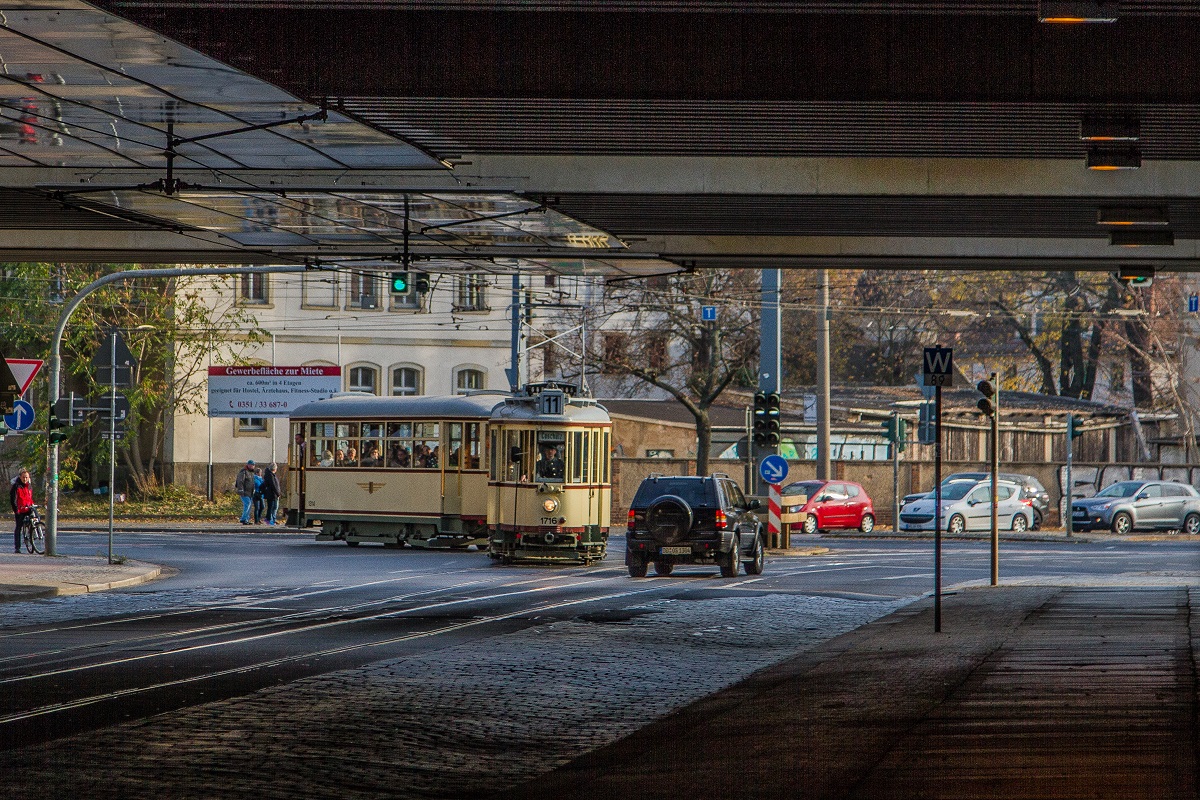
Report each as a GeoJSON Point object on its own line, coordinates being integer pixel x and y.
{"type": "Point", "coordinates": [926, 428]}
{"type": "Point", "coordinates": [1136, 277]}
{"type": "Point", "coordinates": [62, 415]}
{"type": "Point", "coordinates": [400, 284]}
{"type": "Point", "coordinates": [896, 432]}
{"type": "Point", "coordinates": [986, 404]}
{"type": "Point", "coordinates": [1074, 431]}
{"type": "Point", "coordinates": [766, 419]}
{"type": "Point", "coordinates": [774, 422]}
{"type": "Point", "coordinates": [760, 419]}
{"type": "Point", "coordinates": [421, 282]}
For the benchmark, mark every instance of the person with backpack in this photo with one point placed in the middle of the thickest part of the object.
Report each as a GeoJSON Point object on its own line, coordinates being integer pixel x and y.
{"type": "Point", "coordinates": [243, 484]}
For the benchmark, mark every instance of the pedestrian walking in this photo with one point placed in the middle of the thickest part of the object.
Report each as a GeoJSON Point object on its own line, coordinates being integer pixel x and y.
{"type": "Point", "coordinates": [258, 502]}
{"type": "Point", "coordinates": [243, 484]}
{"type": "Point", "coordinates": [21, 497]}
{"type": "Point", "coordinates": [271, 492]}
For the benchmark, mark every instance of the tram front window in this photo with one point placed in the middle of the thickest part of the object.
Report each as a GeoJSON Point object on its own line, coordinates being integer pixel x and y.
{"type": "Point", "coordinates": [550, 465]}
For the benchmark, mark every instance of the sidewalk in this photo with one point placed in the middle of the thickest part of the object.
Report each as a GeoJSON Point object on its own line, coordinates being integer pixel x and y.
{"type": "Point", "coordinates": [1028, 692]}
{"type": "Point", "coordinates": [28, 577]}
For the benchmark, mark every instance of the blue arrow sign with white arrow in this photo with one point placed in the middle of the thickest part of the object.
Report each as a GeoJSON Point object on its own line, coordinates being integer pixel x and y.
{"type": "Point", "coordinates": [21, 418]}
{"type": "Point", "coordinates": [773, 469]}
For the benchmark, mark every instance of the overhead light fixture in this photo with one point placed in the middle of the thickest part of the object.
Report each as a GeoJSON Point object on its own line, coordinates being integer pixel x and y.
{"type": "Point", "coordinates": [1076, 11]}
{"type": "Point", "coordinates": [1133, 215]}
{"type": "Point", "coordinates": [1133, 237]}
{"type": "Point", "coordinates": [1099, 157]}
{"type": "Point", "coordinates": [1109, 129]}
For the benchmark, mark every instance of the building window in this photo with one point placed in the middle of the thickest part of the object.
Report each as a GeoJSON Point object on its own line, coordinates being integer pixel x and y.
{"type": "Point", "coordinates": [364, 290]}
{"type": "Point", "coordinates": [467, 380]}
{"type": "Point", "coordinates": [253, 288]}
{"type": "Point", "coordinates": [320, 290]}
{"type": "Point", "coordinates": [614, 346]}
{"type": "Point", "coordinates": [251, 426]}
{"type": "Point", "coordinates": [656, 351]}
{"type": "Point", "coordinates": [406, 381]}
{"type": "Point", "coordinates": [471, 293]}
{"type": "Point", "coordinates": [364, 379]}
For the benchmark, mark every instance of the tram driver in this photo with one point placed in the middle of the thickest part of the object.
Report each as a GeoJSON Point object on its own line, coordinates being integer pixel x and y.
{"type": "Point", "coordinates": [549, 465]}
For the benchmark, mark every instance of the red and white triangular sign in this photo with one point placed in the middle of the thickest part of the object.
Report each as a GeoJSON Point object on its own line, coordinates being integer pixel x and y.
{"type": "Point", "coordinates": [23, 369]}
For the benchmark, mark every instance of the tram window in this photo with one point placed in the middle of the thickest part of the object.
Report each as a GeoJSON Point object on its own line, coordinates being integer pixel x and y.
{"type": "Point", "coordinates": [605, 460]}
{"type": "Point", "coordinates": [321, 429]}
{"type": "Point", "coordinates": [550, 448]}
{"type": "Point", "coordinates": [346, 430]}
{"type": "Point", "coordinates": [426, 430]}
{"type": "Point", "coordinates": [425, 454]}
{"type": "Point", "coordinates": [511, 468]}
{"type": "Point", "coordinates": [399, 454]}
{"type": "Point", "coordinates": [321, 453]}
{"type": "Point", "coordinates": [471, 445]}
{"type": "Point", "coordinates": [371, 453]}
{"type": "Point", "coordinates": [399, 430]}
{"type": "Point", "coordinates": [454, 443]}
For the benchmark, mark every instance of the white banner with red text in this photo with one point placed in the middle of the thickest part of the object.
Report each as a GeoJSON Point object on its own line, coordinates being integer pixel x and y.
{"type": "Point", "coordinates": [257, 391]}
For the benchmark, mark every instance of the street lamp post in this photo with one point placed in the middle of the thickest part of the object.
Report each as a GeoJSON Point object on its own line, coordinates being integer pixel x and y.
{"type": "Point", "coordinates": [56, 357]}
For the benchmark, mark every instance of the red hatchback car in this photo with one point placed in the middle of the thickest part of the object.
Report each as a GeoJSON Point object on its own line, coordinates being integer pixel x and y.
{"type": "Point", "coordinates": [830, 504]}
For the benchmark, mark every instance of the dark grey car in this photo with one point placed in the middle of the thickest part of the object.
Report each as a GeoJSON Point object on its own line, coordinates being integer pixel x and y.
{"type": "Point", "coordinates": [1139, 505]}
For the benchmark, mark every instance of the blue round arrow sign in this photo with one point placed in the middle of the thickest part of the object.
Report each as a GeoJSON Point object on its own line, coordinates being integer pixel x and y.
{"type": "Point", "coordinates": [773, 469]}
{"type": "Point", "coordinates": [21, 418]}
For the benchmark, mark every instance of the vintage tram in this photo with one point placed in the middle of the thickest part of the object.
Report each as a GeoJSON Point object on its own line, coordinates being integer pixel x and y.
{"type": "Point", "coordinates": [526, 476]}
{"type": "Point", "coordinates": [392, 470]}
{"type": "Point", "coordinates": [549, 493]}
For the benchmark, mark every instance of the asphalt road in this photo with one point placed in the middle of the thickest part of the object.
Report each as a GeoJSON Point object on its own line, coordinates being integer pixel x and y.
{"type": "Point", "coordinates": [448, 640]}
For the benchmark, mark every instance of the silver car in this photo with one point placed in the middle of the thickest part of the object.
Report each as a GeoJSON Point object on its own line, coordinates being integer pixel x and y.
{"type": "Point", "coordinates": [967, 506]}
{"type": "Point", "coordinates": [1139, 505]}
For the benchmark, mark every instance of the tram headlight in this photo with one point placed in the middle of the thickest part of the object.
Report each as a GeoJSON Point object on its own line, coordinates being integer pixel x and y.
{"type": "Point", "coordinates": [550, 504]}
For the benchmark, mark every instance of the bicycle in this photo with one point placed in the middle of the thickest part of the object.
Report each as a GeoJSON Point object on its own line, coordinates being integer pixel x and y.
{"type": "Point", "coordinates": [33, 532]}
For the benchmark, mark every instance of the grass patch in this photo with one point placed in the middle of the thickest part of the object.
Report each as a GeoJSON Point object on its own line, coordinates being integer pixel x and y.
{"type": "Point", "coordinates": [173, 503]}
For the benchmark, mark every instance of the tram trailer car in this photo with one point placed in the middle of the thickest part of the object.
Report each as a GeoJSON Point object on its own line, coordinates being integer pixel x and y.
{"type": "Point", "coordinates": [392, 470]}
{"type": "Point", "coordinates": [549, 494]}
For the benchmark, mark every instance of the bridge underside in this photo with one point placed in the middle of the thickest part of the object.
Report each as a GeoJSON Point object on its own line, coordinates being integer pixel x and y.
{"type": "Point", "coordinates": [599, 137]}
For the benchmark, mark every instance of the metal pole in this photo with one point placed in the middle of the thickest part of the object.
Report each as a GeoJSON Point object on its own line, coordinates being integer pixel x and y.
{"type": "Point", "coordinates": [1070, 487]}
{"type": "Point", "coordinates": [210, 459]}
{"type": "Point", "coordinates": [56, 357]}
{"type": "Point", "coordinates": [995, 476]}
{"type": "Point", "coordinates": [896, 470]}
{"type": "Point", "coordinates": [112, 436]}
{"type": "Point", "coordinates": [770, 357]}
{"type": "Point", "coordinates": [823, 388]}
{"type": "Point", "coordinates": [937, 509]}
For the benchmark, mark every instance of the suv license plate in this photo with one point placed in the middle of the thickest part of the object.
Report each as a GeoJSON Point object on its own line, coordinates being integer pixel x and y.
{"type": "Point", "coordinates": [675, 551]}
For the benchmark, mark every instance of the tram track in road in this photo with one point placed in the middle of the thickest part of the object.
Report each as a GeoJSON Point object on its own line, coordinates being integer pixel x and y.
{"type": "Point", "coordinates": [144, 680]}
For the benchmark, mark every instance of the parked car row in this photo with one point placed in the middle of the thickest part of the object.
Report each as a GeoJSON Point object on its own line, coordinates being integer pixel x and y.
{"type": "Point", "coordinates": [708, 520]}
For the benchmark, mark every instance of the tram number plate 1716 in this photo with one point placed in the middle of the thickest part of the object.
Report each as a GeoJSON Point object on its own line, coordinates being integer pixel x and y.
{"type": "Point", "coordinates": [676, 551]}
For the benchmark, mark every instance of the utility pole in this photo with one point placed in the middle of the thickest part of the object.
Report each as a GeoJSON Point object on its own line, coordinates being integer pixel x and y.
{"type": "Point", "coordinates": [823, 389]}
{"type": "Point", "coordinates": [769, 359]}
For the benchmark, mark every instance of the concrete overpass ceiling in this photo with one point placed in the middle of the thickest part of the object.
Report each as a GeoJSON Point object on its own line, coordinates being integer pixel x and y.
{"type": "Point", "coordinates": [908, 133]}
{"type": "Point", "coordinates": [119, 144]}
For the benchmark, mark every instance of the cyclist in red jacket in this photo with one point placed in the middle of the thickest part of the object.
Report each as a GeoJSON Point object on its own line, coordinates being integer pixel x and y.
{"type": "Point", "coordinates": [21, 497]}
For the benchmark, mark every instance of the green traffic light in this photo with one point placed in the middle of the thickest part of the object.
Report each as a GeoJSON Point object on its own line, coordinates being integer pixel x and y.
{"type": "Point", "coordinates": [400, 282]}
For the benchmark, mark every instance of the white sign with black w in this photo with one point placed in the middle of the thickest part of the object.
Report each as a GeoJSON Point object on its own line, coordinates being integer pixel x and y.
{"type": "Point", "coordinates": [939, 366]}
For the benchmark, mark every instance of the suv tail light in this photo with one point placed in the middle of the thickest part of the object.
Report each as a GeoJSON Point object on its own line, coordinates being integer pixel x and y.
{"type": "Point", "coordinates": [721, 519]}
{"type": "Point", "coordinates": [631, 524]}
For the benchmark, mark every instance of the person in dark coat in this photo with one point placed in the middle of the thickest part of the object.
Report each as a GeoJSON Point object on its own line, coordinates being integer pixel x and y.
{"type": "Point", "coordinates": [271, 492]}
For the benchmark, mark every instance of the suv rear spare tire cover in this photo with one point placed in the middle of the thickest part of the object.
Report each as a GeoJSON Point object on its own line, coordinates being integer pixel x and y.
{"type": "Point", "coordinates": [669, 519]}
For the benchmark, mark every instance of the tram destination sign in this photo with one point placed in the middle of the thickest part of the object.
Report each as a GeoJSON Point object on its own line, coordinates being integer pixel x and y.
{"type": "Point", "coordinates": [260, 391]}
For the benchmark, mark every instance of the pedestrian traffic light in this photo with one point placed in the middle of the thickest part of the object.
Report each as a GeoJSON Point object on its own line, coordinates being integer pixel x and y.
{"type": "Point", "coordinates": [400, 284]}
{"type": "Point", "coordinates": [421, 282]}
{"type": "Point", "coordinates": [767, 430]}
{"type": "Point", "coordinates": [901, 439]}
{"type": "Point", "coordinates": [986, 403]}
{"type": "Point", "coordinates": [55, 425]}
{"type": "Point", "coordinates": [62, 415]}
{"type": "Point", "coordinates": [1074, 430]}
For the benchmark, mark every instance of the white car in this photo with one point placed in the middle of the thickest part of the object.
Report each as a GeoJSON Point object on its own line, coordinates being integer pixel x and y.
{"type": "Point", "coordinates": [966, 506]}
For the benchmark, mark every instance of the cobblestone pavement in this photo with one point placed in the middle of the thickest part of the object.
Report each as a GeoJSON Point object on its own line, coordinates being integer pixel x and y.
{"type": "Point", "coordinates": [467, 719]}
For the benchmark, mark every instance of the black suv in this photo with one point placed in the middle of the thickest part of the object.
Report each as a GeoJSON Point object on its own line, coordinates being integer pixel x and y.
{"type": "Point", "coordinates": [693, 520]}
